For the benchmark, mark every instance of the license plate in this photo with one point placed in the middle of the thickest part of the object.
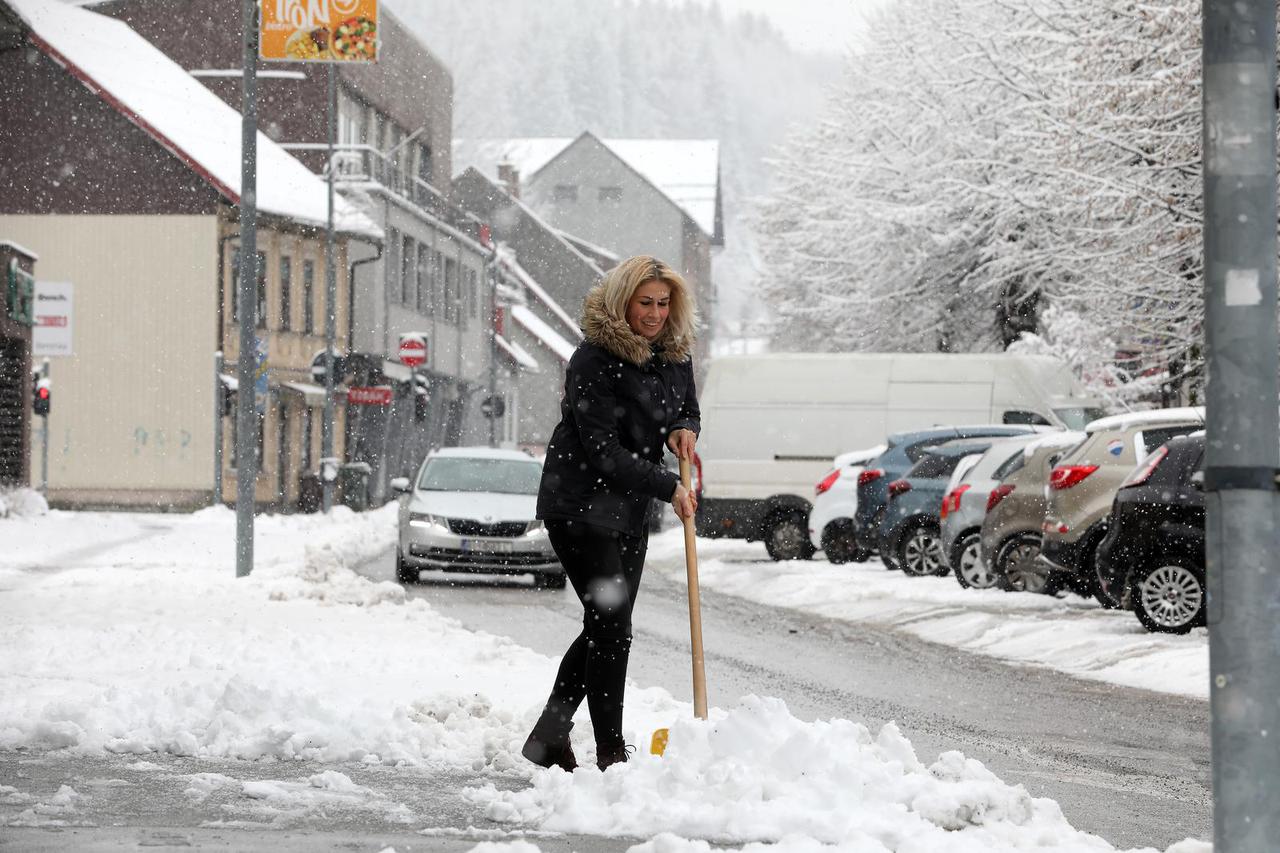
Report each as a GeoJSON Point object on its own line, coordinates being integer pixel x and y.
{"type": "Point", "coordinates": [488, 546]}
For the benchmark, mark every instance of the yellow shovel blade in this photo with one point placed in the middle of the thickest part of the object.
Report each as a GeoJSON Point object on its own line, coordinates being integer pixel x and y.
{"type": "Point", "coordinates": [658, 745]}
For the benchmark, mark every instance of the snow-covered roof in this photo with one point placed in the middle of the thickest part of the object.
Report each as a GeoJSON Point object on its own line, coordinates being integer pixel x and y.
{"type": "Point", "coordinates": [685, 170]}
{"type": "Point", "coordinates": [1154, 416]}
{"type": "Point", "coordinates": [538, 327]}
{"type": "Point", "coordinates": [518, 354]}
{"type": "Point", "coordinates": [19, 249]}
{"type": "Point", "coordinates": [522, 275]}
{"type": "Point", "coordinates": [190, 121]}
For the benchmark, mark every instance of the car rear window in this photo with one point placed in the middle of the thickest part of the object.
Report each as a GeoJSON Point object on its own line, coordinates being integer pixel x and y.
{"type": "Point", "coordinates": [463, 474]}
{"type": "Point", "coordinates": [1156, 436]}
{"type": "Point", "coordinates": [934, 467]}
{"type": "Point", "coordinates": [1009, 466]}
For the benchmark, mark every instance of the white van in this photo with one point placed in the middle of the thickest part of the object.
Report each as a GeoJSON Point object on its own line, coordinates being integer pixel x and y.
{"type": "Point", "coordinates": [771, 424]}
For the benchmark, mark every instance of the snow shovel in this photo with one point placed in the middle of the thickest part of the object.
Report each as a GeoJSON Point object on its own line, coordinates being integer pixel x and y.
{"type": "Point", "coordinates": [659, 743]}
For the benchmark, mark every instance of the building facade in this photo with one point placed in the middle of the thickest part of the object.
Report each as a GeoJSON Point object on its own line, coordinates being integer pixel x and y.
{"type": "Point", "coordinates": [17, 316]}
{"type": "Point", "coordinates": [112, 172]}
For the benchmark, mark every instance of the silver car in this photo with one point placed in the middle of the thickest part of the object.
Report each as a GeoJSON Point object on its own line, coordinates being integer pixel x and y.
{"type": "Point", "coordinates": [965, 505]}
{"type": "Point", "coordinates": [471, 509]}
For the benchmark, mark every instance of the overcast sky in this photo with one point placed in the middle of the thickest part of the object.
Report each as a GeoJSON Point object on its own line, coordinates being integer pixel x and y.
{"type": "Point", "coordinates": [817, 25]}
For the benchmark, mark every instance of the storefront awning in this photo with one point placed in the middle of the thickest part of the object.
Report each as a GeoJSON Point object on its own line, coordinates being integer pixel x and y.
{"type": "Point", "coordinates": [313, 394]}
{"type": "Point", "coordinates": [230, 382]}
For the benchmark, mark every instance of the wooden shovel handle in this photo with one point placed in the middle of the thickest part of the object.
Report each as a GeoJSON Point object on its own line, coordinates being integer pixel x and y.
{"type": "Point", "coordinates": [695, 606]}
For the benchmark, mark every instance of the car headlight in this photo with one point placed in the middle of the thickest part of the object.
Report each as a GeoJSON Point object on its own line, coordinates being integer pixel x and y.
{"type": "Point", "coordinates": [427, 520]}
{"type": "Point", "coordinates": [536, 528]}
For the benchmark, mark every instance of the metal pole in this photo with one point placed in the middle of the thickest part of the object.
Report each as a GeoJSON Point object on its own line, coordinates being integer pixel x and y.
{"type": "Point", "coordinates": [219, 394]}
{"type": "Point", "coordinates": [1241, 453]}
{"type": "Point", "coordinates": [331, 306]}
{"type": "Point", "coordinates": [493, 349]}
{"type": "Point", "coordinates": [44, 439]}
{"type": "Point", "coordinates": [246, 294]}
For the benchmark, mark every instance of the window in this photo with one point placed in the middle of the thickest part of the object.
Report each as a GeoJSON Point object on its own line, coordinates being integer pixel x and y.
{"type": "Point", "coordinates": [260, 303]}
{"type": "Point", "coordinates": [408, 272]}
{"type": "Point", "coordinates": [309, 297]}
{"type": "Point", "coordinates": [565, 192]}
{"type": "Point", "coordinates": [424, 279]}
{"type": "Point", "coordinates": [425, 163]}
{"type": "Point", "coordinates": [235, 285]}
{"type": "Point", "coordinates": [304, 449]}
{"type": "Point", "coordinates": [392, 263]}
{"type": "Point", "coordinates": [286, 286]}
{"type": "Point", "coordinates": [612, 194]}
{"type": "Point", "coordinates": [473, 294]}
{"type": "Point", "coordinates": [450, 290]}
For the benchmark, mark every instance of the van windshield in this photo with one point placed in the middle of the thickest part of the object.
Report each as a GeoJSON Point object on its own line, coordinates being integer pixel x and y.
{"type": "Point", "coordinates": [1075, 417]}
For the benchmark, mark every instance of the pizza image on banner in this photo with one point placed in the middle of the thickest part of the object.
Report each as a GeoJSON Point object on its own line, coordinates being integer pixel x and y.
{"type": "Point", "coordinates": [319, 30]}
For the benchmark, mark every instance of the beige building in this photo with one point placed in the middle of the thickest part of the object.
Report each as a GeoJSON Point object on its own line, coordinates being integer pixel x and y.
{"type": "Point", "coordinates": [130, 193]}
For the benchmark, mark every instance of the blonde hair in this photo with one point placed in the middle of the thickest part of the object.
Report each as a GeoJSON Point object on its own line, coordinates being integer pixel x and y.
{"type": "Point", "coordinates": [621, 283]}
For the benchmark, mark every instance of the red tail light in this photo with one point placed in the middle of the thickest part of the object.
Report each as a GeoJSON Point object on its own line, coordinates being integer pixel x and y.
{"type": "Point", "coordinates": [1144, 471]}
{"type": "Point", "coordinates": [827, 482]}
{"type": "Point", "coordinates": [1066, 476]}
{"type": "Point", "coordinates": [898, 487]}
{"type": "Point", "coordinates": [998, 494]}
{"type": "Point", "coordinates": [869, 475]}
{"type": "Point", "coordinates": [951, 503]}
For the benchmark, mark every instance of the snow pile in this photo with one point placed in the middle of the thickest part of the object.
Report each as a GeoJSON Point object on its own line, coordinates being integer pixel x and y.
{"type": "Point", "coordinates": [57, 810]}
{"type": "Point", "coordinates": [22, 503]}
{"type": "Point", "coordinates": [757, 774]}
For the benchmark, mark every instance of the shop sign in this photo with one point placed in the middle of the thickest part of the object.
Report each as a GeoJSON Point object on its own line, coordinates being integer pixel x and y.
{"type": "Point", "coordinates": [319, 30]}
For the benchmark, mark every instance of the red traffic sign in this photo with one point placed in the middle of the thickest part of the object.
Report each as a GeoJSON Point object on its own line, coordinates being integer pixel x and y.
{"type": "Point", "coordinates": [371, 395]}
{"type": "Point", "coordinates": [413, 350]}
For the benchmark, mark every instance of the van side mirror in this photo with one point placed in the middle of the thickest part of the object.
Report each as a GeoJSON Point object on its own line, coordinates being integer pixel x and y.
{"type": "Point", "coordinates": [400, 485]}
{"type": "Point", "coordinates": [1197, 480]}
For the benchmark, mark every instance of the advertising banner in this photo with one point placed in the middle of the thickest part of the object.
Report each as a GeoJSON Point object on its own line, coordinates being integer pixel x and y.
{"type": "Point", "coordinates": [319, 30]}
{"type": "Point", "coordinates": [51, 333]}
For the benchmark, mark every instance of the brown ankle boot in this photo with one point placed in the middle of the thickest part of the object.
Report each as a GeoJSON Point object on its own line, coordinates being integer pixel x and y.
{"type": "Point", "coordinates": [550, 754]}
{"type": "Point", "coordinates": [607, 756]}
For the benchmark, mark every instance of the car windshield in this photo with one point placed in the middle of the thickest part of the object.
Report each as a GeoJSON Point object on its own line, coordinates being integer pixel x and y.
{"type": "Point", "coordinates": [1075, 417]}
{"type": "Point", "coordinates": [470, 474]}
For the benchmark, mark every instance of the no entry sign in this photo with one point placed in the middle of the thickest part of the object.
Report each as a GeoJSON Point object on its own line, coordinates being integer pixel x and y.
{"type": "Point", "coordinates": [413, 350]}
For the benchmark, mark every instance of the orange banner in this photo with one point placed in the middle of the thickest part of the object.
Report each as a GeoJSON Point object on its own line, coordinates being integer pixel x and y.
{"type": "Point", "coordinates": [319, 30]}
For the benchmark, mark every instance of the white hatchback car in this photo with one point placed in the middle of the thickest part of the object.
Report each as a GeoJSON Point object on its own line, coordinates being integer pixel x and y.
{"type": "Point", "coordinates": [471, 509]}
{"type": "Point", "coordinates": [835, 499]}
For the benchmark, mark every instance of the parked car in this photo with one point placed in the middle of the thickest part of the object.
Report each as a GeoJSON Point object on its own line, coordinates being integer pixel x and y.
{"type": "Point", "coordinates": [909, 528]}
{"type": "Point", "coordinates": [1009, 539]}
{"type": "Point", "coordinates": [772, 422]}
{"type": "Point", "coordinates": [964, 506]}
{"type": "Point", "coordinates": [835, 499]}
{"type": "Point", "coordinates": [904, 450]}
{"type": "Point", "coordinates": [1084, 482]}
{"type": "Point", "coordinates": [1152, 558]}
{"type": "Point", "coordinates": [471, 509]}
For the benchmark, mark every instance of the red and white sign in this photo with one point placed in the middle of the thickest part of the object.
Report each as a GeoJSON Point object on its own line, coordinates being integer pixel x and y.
{"type": "Point", "coordinates": [413, 350]}
{"type": "Point", "coordinates": [371, 395]}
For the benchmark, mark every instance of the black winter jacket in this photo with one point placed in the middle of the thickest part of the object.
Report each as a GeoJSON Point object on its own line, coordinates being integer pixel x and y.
{"type": "Point", "coordinates": [622, 398]}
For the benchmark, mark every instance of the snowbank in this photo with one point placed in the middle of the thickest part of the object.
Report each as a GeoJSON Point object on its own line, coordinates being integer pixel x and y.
{"type": "Point", "coordinates": [130, 634]}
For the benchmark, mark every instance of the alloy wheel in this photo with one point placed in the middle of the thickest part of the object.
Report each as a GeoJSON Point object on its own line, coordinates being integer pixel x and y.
{"type": "Point", "coordinates": [1171, 596]}
{"type": "Point", "coordinates": [971, 568]}
{"type": "Point", "coordinates": [1023, 570]}
{"type": "Point", "coordinates": [922, 552]}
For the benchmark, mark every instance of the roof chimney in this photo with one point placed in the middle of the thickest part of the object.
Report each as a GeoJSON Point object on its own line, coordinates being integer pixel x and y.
{"type": "Point", "coordinates": [510, 178]}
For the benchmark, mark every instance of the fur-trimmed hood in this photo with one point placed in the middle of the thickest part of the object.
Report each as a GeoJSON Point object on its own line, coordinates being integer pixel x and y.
{"type": "Point", "coordinates": [613, 334]}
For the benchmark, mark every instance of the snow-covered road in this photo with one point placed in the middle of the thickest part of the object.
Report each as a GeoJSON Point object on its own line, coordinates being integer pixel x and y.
{"type": "Point", "coordinates": [114, 647]}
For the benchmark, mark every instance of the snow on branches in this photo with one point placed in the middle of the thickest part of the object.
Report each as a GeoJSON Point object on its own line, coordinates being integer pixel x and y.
{"type": "Point", "coordinates": [982, 160]}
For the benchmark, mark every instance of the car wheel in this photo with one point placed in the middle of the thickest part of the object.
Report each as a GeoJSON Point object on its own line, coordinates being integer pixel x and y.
{"type": "Point", "coordinates": [404, 573]}
{"type": "Point", "coordinates": [1169, 598]}
{"type": "Point", "coordinates": [787, 538]}
{"type": "Point", "coordinates": [967, 563]}
{"type": "Point", "coordinates": [920, 551]}
{"type": "Point", "coordinates": [839, 543]}
{"type": "Point", "coordinates": [1109, 600]}
{"type": "Point", "coordinates": [1018, 568]}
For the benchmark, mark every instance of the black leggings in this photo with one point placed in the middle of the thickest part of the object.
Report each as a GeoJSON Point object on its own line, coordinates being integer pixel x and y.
{"type": "Point", "coordinates": [604, 567]}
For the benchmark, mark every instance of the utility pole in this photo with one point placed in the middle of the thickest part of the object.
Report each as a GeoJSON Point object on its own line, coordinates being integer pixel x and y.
{"type": "Point", "coordinates": [44, 439]}
{"type": "Point", "coordinates": [330, 314]}
{"type": "Point", "coordinates": [246, 296]}
{"type": "Point", "coordinates": [1241, 452]}
{"type": "Point", "coordinates": [493, 347]}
